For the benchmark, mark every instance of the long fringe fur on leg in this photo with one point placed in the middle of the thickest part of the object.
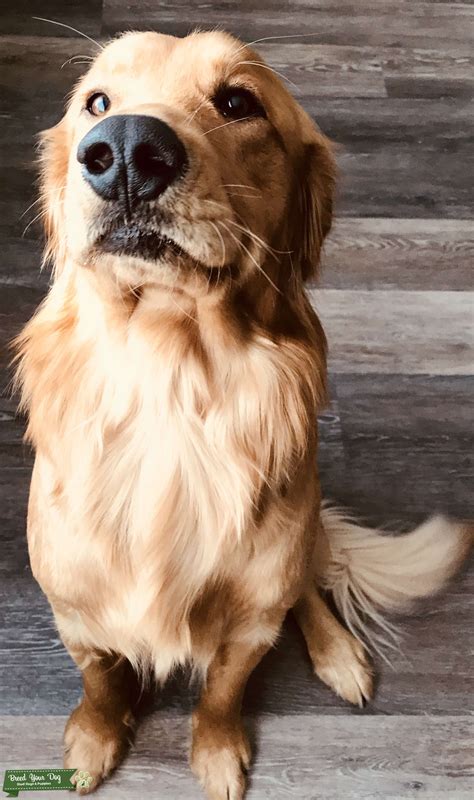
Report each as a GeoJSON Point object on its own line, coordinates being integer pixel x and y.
{"type": "Point", "coordinates": [369, 572]}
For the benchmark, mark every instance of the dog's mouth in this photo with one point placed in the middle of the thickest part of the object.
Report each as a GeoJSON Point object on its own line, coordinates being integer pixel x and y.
{"type": "Point", "coordinates": [138, 240]}
{"type": "Point", "coordinates": [135, 240]}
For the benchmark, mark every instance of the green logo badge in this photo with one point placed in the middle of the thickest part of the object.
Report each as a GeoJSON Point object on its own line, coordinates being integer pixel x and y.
{"type": "Point", "coordinates": [41, 780]}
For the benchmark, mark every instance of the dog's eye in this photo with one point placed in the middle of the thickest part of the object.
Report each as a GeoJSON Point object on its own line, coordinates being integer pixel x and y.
{"type": "Point", "coordinates": [237, 103]}
{"type": "Point", "coordinates": [97, 104]}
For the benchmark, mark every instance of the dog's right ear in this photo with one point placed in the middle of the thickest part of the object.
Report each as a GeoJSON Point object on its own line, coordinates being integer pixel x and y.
{"type": "Point", "coordinates": [53, 161]}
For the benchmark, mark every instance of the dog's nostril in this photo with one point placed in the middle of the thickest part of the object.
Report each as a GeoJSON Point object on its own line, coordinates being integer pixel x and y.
{"type": "Point", "coordinates": [150, 163]}
{"type": "Point", "coordinates": [99, 158]}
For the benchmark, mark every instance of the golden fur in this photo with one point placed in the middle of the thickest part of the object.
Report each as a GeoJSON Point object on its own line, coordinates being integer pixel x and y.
{"type": "Point", "coordinates": [174, 513]}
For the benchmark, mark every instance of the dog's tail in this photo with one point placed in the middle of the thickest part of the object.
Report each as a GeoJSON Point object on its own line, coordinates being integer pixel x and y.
{"type": "Point", "coordinates": [369, 572]}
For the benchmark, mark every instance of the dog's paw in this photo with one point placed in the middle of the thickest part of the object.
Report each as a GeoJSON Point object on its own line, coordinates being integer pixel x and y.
{"type": "Point", "coordinates": [344, 667]}
{"type": "Point", "coordinates": [93, 750]}
{"type": "Point", "coordinates": [220, 758]}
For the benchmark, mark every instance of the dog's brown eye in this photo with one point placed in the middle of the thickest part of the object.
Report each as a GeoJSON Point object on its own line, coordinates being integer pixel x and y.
{"type": "Point", "coordinates": [97, 104]}
{"type": "Point", "coordinates": [237, 103]}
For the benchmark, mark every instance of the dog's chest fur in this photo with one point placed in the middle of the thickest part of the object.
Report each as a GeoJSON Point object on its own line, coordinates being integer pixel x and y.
{"type": "Point", "coordinates": [151, 461]}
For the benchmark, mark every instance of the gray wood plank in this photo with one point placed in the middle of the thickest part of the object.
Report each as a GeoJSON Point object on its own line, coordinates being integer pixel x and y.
{"type": "Point", "coordinates": [405, 406]}
{"type": "Point", "coordinates": [17, 304]}
{"type": "Point", "coordinates": [405, 254]}
{"type": "Point", "coordinates": [408, 332]}
{"type": "Point", "coordinates": [327, 758]}
{"type": "Point", "coordinates": [405, 447]}
{"type": "Point", "coordinates": [37, 71]}
{"type": "Point", "coordinates": [395, 158]}
{"type": "Point", "coordinates": [394, 478]}
{"type": "Point", "coordinates": [427, 73]}
{"type": "Point", "coordinates": [346, 71]}
{"type": "Point", "coordinates": [408, 445]}
{"type": "Point", "coordinates": [18, 17]}
{"type": "Point", "coordinates": [419, 24]}
{"type": "Point", "coordinates": [326, 70]}
{"type": "Point", "coordinates": [20, 263]}
{"type": "Point", "coordinates": [382, 121]}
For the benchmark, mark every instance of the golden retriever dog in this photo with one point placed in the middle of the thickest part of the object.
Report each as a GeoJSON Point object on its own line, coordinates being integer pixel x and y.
{"type": "Point", "coordinates": [172, 378]}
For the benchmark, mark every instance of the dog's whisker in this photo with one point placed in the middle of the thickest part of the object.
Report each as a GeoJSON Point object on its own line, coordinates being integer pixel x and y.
{"type": "Point", "coordinates": [221, 240]}
{"type": "Point", "coordinates": [175, 302]}
{"type": "Point", "coordinates": [231, 122]}
{"type": "Point", "coordinates": [261, 241]}
{"type": "Point", "coordinates": [239, 186]}
{"type": "Point", "coordinates": [270, 69]}
{"type": "Point", "coordinates": [40, 199]}
{"type": "Point", "coordinates": [292, 266]}
{"type": "Point", "coordinates": [217, 204]}
{"type": "Point", "coordinates": [180, 308]}
{"type": "Point", "coordinates": [250, 233]}
{"type": "Point", "coordinates": [34, 203]}
{"type": "Point", "coordinates": [71, 28]}
{"type": "Point", "coordinates": [274, 39]}
{"type": "Point", "coordinates": [237, 194]}
{"type": "Point", "coordinates": [41, 214]}
{"type": "Point", "coordinates": [254, 236]}
{"type": "Point", "coordinates": [252, 258]}
{"type": "Point", "coordinates": [196, 110]}
{"type": "Point", "coordinates": [72, 60]}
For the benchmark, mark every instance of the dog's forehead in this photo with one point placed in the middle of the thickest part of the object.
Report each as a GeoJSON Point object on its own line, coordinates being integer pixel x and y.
{"type": "Point", "coordinates": [194, 59]}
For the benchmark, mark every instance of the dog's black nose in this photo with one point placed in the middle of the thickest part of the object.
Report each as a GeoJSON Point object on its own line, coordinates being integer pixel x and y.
{"type": "Point", "coordinates": [131, 158]}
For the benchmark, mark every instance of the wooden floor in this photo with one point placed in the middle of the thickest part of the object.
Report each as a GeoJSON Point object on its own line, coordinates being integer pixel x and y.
{"type": "Point", "coordinates": [392, 84]}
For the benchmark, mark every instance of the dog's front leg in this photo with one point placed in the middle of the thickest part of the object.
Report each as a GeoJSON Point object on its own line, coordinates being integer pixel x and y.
{"type": "Point", "coordinates": [99, 730]}
{"type": "Point", "coordinates": [220, 749]}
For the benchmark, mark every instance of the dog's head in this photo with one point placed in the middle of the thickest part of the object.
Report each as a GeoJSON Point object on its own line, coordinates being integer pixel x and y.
{"type": "Point", "coordinates": [186, 163]}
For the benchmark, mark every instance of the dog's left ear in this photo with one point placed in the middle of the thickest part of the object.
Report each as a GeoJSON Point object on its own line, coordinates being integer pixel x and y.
{"type": "Point", "coordinates": [313, 202]}
{"type": "Point", "coordinates": [53, 160]}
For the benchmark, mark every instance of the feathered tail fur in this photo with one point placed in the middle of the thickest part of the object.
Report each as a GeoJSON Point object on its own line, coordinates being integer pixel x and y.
{"type": "Point", "coordinates": [369, 572]}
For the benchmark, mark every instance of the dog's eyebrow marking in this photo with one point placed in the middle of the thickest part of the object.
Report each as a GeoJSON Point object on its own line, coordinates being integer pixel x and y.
{"type": "Point", "coordinates": [70, 27]}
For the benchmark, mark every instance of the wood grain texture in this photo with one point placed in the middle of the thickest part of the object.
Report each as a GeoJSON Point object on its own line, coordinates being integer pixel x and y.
{"type": "Point", "coordinates": [418, 24]}
{"type": "Point", "coordinates": [397, 758]}
{"type": "Point", "coordinates": [405, 446]}
{"type": "Point", "coordinates": [397, 159]}
{"type": "Point", "coordinates": [18, 17]}
{"type": "Point", "coordinates": [326, 70]}
{"type": "Point", "coordinates": [402, 332]}
{"type": "Point", "coordinates": [20, 263]}
{"type": "Point", "coordinates": [405, 254]}
{"type": "Point", "coordinates": [427, 73]}
{"type": "Point", "coordinates": [45, 63]}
